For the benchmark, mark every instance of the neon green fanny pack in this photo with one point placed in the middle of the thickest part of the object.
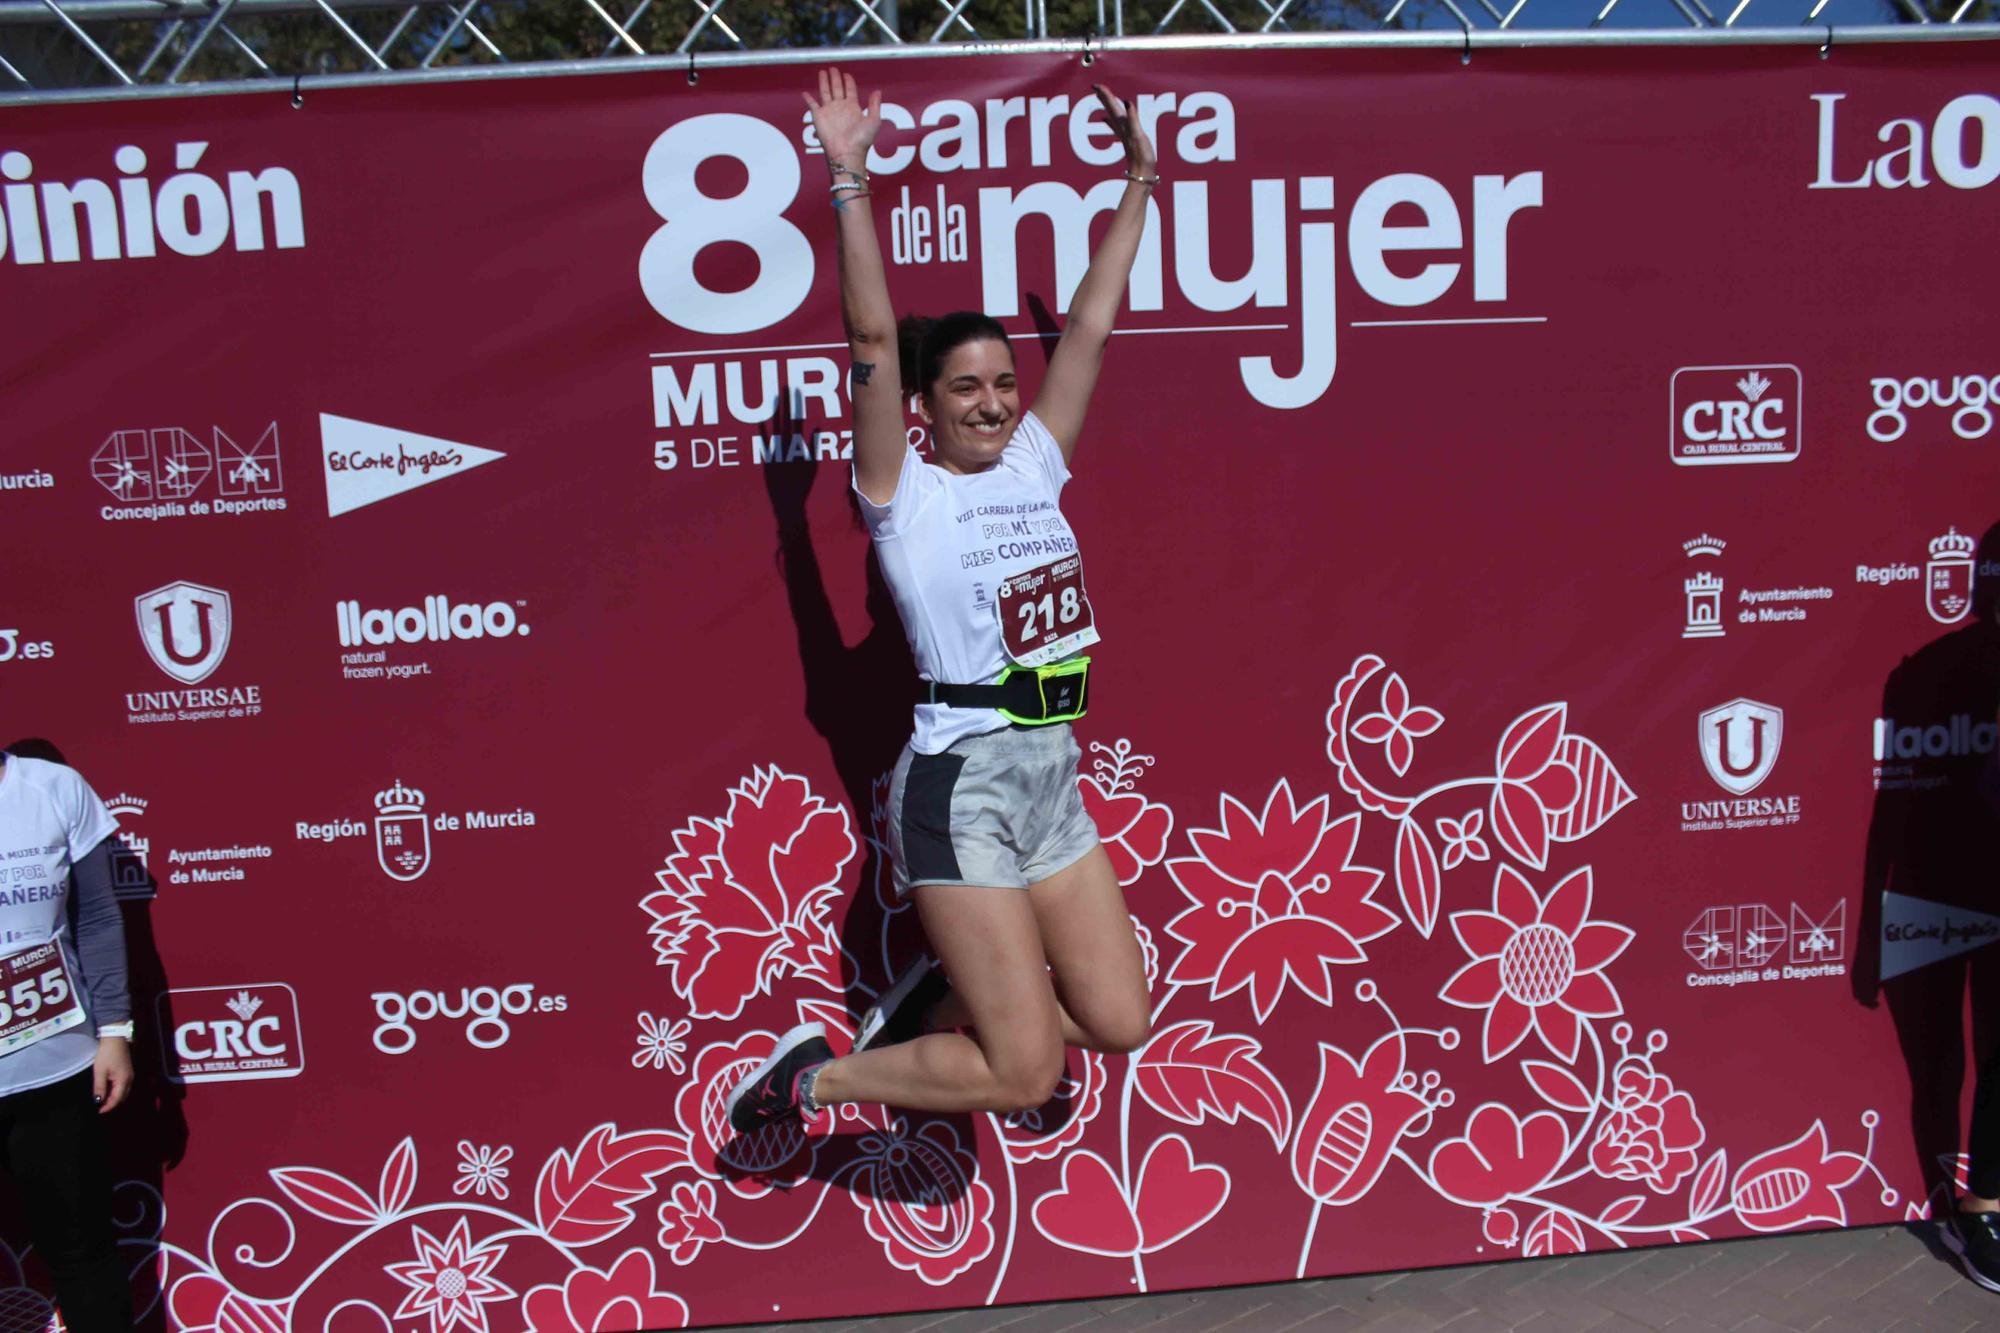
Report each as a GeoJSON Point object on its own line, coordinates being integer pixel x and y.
{"type": "Point", "coordinates": [1027, 696]}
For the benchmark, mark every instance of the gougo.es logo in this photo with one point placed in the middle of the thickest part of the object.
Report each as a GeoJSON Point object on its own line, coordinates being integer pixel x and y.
{"type": "Point", "coordinates": [1969, 398]}
{"type": "Point", "coordinates": [486, 1010]}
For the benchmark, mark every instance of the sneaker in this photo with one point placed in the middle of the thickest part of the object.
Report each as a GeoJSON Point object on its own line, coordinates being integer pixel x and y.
{"type": "Point", "coordinates": [1976, 1239]}
{"type": "Point", "coordinates": [770, 1092]}
{"type": "Point", "coordinates": [900, 1012]}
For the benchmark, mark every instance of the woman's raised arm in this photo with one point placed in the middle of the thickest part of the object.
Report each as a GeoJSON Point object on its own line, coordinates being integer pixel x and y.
{"type": "Point", "coordinates": [1065, 393]}
{"type": "Point", "coordinates": [846, 130]}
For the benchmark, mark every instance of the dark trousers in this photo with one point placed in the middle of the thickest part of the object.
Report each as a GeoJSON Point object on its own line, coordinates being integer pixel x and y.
{"type": "Point", "coordinates": [53, 1142]}
{"type": "Point", "coordinates": [1982, 1176]}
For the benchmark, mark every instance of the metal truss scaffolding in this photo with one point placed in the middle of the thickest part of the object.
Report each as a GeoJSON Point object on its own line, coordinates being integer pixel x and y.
{"type": "Point", "coordinates": [54, 50]}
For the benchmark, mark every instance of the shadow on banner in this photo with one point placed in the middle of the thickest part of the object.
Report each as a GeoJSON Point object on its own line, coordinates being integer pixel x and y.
{"type": "Point", "coordinates": [1930, 893]}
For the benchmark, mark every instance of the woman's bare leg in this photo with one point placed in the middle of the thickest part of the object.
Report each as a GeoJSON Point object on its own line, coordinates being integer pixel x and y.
{"type": "Point", "coordinates": [1087, 937]}
{"type": "Point", "coordinates": [989, 941]}
{"type": "Point", "coordinates": [1093, 953]}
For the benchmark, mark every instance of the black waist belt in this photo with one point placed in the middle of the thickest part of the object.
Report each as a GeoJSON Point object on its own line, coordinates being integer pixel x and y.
{"type": "Point", "coordinates": [1023, 694]}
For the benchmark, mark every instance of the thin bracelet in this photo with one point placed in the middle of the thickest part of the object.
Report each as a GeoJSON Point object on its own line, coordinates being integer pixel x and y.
{"type": "Point", "coordinates": [840, 199]}
{"type": "Point", "coordinates": [839, 186]}
{"type": "Point", "coordinates": [1153, 179]}
{"type": "Point", "coordinates": [841, 169]}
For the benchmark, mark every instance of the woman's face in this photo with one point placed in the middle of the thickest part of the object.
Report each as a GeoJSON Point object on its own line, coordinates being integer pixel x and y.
{"type": "Point", "coordinates": [973, 404]}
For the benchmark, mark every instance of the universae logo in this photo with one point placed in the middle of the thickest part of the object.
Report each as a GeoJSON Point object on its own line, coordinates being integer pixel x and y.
{"type": "Point", "coordinates": [185, 627]}
{"type": "Point", "coordinates": [1739, 743]}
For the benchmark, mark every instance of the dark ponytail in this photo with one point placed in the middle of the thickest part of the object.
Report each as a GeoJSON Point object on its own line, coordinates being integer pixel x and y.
{"type": "Point", "coordinates": [923, 342]}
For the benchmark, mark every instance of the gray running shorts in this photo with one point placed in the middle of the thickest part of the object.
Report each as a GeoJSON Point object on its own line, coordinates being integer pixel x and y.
{"type": "Point", "coordinates": [999, 810]}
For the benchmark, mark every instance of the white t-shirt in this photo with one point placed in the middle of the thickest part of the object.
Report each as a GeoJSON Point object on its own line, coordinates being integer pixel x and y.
{"type": "Point", "coordinates": [945, 542]}
{"type": "Point", "coordinates": [49, 820]}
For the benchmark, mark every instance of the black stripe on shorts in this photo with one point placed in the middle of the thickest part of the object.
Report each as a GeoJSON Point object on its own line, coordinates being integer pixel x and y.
{"type": "Point", "coordinates": [927, 849]}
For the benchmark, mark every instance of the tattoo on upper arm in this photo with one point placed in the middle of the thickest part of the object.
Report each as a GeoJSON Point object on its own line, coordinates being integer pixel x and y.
{"type": "Point", "coordinates": [863, 371]}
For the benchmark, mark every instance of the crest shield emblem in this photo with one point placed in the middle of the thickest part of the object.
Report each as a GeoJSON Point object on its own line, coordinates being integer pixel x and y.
{"type": "Point", "coordinates": [402, 835]}
{"type": "Point", "coordinates": [185, 627]}
{"type": "Point", "coordinates": [402, 845]}
{"type": "Point", "coordinates": [1948, 588]}
{"type": "Point", "coordinates": [1739, 743]}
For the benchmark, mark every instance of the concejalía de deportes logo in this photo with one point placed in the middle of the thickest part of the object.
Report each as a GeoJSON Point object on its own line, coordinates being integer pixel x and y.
{"type": "Point", "coordinates": [164, 472]}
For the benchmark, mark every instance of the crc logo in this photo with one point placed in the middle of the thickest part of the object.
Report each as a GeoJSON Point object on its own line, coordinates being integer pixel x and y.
{"type": "Point", "coordinates": [487, 1009]}
{"type": "Point", "coordinates": [1734, 414]}
{"type": "Point", "coordinates": [185, 627]}
{"type": "Point", "coordinates": [1750, 935]}
{"type": "Point", "coordinates": [1739, 743]}
{"type": "Point", "coordinates": [168, 463]}
{"type": "Point", "coordinates": [225, 1034]}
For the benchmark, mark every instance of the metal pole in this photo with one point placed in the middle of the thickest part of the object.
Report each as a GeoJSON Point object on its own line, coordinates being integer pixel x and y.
{"type": "Point", "coordinates": [84, 37]}
{"type": "Point", "coordinates": [200, 40]}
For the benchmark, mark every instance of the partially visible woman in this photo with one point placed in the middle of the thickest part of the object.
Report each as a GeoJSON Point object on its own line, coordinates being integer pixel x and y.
{"type": "Point", "coordinates": [65, 1054]}
{"type": "Point", "coordinates": [987, 831]}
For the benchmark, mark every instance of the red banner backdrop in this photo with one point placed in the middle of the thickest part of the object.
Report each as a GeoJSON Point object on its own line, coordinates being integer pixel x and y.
{"type": "Point", "coordinates": [1508, 503]}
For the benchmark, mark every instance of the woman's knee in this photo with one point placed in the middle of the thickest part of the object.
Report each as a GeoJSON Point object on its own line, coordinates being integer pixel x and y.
{"type": "Point", "coordinates": [1025, 1080]}
{"type": "Point", "coordinates": [1123, 1032]}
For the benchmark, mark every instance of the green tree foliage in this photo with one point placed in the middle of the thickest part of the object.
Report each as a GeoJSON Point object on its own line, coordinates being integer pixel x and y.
{"type": "Point", "coordinates": [306, 41]}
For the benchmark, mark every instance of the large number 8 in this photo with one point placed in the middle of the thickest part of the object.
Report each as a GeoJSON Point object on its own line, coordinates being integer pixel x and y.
{"type": "Point", "coordinates": [695, 221]}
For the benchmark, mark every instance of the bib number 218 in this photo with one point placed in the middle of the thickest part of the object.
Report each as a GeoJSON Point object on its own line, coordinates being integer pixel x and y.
{"type": "Point", "coordinates": [1045, 613]}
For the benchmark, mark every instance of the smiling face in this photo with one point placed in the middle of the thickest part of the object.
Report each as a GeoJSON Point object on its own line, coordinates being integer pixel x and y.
{"type": "Point", "coordinates": [973, 405]}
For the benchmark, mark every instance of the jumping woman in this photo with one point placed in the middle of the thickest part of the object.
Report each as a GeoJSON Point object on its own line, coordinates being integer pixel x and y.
{"type": "Point", "coordinates": [987, 832]}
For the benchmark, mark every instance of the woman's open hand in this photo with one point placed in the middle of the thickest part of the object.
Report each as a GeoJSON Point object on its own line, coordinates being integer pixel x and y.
{"type": "Point", "coordinates": [1139, 159]}
{"type": "Point", "coordinates": [845, 127]}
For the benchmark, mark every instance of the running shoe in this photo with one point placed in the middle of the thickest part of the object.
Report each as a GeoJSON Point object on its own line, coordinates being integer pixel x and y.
{"type": "Point", "coordinates": [899, 1013]}
{"type": "Point", "coordinates": [1976, 1239]}
{"type": "Point", "coordinates": [770, 1092]}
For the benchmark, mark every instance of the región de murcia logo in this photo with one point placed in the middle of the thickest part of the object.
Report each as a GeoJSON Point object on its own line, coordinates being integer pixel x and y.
{"type": "Point", "coordinates": [1948, 576]}
{"type": "Point", "coordinates": [402, 829]}
{"type": "Point", "coordinates": [402, 839]}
